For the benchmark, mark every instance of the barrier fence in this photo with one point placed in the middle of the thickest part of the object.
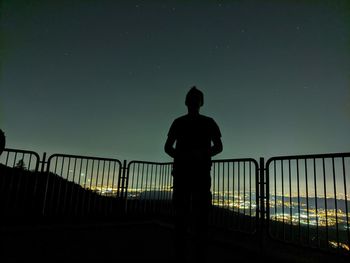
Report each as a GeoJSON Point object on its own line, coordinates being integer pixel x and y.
{"type": "Point", "coordinates": [149, 188]}
{"type": "Point", "coordinates": [81, 185]}
{"type": "Point", "coordinates": [308, 199]}
{"type": "Point", "coordinates": [234, 194]}
{"type": "Point", "coordinates": [298, 199]}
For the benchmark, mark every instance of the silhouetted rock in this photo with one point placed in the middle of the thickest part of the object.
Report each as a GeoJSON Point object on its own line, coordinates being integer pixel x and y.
{"type": "Point", "coordinates": [2, 141]}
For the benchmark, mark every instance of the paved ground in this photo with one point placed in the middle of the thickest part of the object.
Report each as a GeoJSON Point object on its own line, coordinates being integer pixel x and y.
{"type": "Point", "coordinates": [131, 242]}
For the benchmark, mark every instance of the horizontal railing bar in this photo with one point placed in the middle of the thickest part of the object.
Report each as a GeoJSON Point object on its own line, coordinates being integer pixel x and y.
{"type": "Point", "coordinates": [308, 156]}
{"type": "Point", "coordinates": [82, 157]}
{"type": "Point", "coordinates": [236, 160]}
{"type": "Point", "coordinates": [21, 151]}
{"type": "Point", "coordinates": [148, 162]}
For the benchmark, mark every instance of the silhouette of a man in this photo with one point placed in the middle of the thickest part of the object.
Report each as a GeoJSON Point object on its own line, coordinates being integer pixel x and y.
{"type": "Point", "coordinates": [192, 140]}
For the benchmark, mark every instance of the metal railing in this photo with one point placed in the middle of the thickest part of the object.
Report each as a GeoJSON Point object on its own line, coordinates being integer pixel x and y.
{"type": "Point", "coordinates": [234, 199]}
{"type": "Point", "coordinates": [300, 199]}
{"type": "Point", "coordinates": [22, 159]}
{"type": "Point", "coordinates": [81, 185]}
{"type": "Point", "coordinates": [309, 200]}
{"type": "Point", "coordinates": [149, 188]}
{"type": "Point", "coordinates": [234, 194]}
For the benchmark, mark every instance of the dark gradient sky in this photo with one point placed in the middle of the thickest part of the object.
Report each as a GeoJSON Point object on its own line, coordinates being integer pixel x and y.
{"type": "Point", "coordinates": [107, 78]}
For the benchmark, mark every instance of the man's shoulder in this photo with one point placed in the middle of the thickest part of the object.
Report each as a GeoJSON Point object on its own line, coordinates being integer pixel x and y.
{"type": "Point", "coordinates": [188, 117]}
{"type": "Point", "coordinates": [179, 121]}
{"type": "Point", "coordinates": [210, 122]}
{"type": "Point", "coordinates": [182, 119]}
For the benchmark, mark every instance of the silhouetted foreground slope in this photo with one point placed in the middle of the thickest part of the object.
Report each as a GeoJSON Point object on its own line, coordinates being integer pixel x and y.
{"type": "Point", "coordinates": [27, 195]}
{"type": "Point", "coordinates": [21, 192]}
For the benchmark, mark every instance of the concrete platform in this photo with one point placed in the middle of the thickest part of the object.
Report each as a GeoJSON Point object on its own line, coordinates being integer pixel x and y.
{"type": "Point", "coordinates": [149, 241]}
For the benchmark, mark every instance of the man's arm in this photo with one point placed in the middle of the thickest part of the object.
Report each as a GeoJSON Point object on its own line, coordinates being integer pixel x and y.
{"type": "Point", "coordinates": [168, 147]}
{"type": "Point", "coordinates": [217, 146]}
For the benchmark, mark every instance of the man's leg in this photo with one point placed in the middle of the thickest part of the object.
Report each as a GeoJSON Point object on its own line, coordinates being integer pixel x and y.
{"type": "Point", "coordinates": [181, 206]}
{"type": "Point", "coordinates": [201, 208]}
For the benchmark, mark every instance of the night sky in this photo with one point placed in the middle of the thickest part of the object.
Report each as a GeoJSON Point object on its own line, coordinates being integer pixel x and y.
{"type": "Point", "coordinates": [107, 78]}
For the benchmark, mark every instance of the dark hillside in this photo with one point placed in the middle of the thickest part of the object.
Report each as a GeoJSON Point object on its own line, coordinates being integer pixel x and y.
{"type": "Point", "coordinates": [27, 195]}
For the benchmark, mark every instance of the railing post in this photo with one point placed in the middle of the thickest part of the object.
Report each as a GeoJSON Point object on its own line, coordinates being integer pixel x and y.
{"type": "Point", "coordinates": [43, 162]}
{"type": "Point", "coordinates": [47, 175]}
{"type": "Point", "coordinates": [123, 186]}
{"type": "Point", "coordinates": [262, 209]}
{"type": "Point", "coordinates": [267, 200]}
{"type": "Point", "coordinates": [124, 175]}
{"type": "Point", "coordinates": [262, 192]}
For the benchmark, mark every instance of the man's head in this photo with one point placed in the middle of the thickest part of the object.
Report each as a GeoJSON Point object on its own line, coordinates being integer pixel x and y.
{"type": "Point", "coordinates": [194, 99]}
